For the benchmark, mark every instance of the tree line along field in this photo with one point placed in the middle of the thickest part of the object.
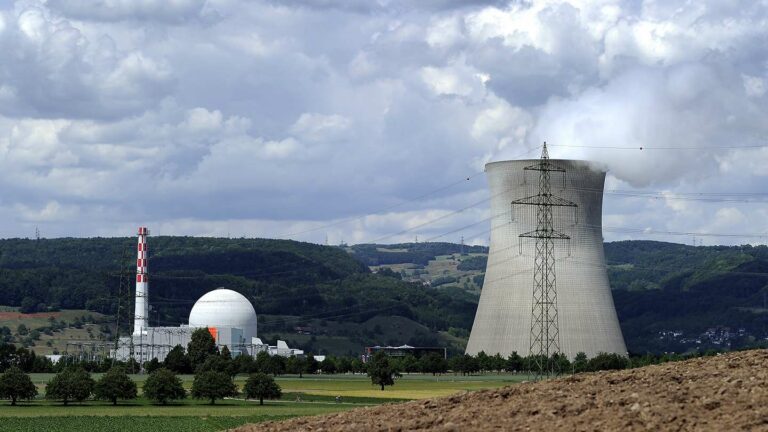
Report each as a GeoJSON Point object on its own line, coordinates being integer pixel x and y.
{"type": "Point", "coordinates": [309, 395]}
{"type": "Point", "coordinates": [73, 392]}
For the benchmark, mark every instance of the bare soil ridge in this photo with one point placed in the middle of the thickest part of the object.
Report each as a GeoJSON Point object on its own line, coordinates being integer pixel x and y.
{"type": "Point", "coordinates": [726, 392]}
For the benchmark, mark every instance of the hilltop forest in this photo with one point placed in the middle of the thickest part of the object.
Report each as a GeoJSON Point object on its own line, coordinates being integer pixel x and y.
{"type": "Point", "coordinates": [292, 284]}
{"type": "Point", "coordinates": [669, 297]}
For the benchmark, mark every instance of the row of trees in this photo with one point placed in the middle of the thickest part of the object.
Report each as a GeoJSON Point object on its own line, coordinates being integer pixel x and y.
{"type": "Point", "coordinates": [483, 363]}
{"type": "Point", "coordinates": [202, 353]}
{"type": "Point", "coordinates": [162, 386]}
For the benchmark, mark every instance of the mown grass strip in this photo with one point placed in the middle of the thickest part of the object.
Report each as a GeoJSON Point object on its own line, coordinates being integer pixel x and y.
{"type": "Point", "coordinates": [130, 424]}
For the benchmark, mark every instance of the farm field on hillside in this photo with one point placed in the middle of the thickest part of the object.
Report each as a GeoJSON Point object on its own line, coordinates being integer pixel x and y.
{"type": "Point", "coordinates": [64, 326]}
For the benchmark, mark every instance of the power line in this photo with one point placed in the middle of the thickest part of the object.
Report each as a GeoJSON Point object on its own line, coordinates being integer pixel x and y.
{"type": "Point", "coordinates": [400, 204]}
{"type": "Point", "coordinates": [662, 147]}
{"type": "Point", "coordinates": [343, 221]}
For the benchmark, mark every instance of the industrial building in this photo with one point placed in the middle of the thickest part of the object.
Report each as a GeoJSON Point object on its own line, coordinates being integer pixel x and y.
{"type": "Point", "coordinates": [584, 316]}
{"type": "Point", "coordinates": [404, 350]}
{"type": "Point", "coordinates": [228, 316]}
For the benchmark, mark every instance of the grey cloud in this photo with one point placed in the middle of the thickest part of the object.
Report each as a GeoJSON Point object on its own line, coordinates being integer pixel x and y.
{"type": "Point", "coordinates": [50, 69]}
{"type": "Point", "coordinates": [389, 6]}
{"type": "Point", "coordinates": [176, 11]}
{"type": "Point", "coordinates": [276, 118]}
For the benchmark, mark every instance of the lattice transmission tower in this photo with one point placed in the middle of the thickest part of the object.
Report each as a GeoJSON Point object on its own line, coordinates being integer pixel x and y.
{"type": "Point", "coordinates": [545, 332]}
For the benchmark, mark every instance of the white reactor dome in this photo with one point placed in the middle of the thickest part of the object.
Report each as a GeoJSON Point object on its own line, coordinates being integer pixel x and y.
{"type": "Point", "coordinates": [224, 308]}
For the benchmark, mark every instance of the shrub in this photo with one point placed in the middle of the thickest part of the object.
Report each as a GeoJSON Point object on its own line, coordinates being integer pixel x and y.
{"type": "Point", "coordinates": [114, 385]}
{"type": "Point", "coordinates": [177, 360]}
{"type": "Point", "coordinates": [262, 386]}
{"type": "Point", "coordinates": [163, 386]}
{"type": "Point", "coordinates": [15, 384]}
{"type": "Point", "coordinates": [381, 371]}
{"type": "Point", "coordinates": [70, 384]}
{"type": "Point", "coordinates": [604, 361]}
{"type": "Point", "coordinates": [201, 345]}
{"type": "Point", "coordinates": [213, 385]}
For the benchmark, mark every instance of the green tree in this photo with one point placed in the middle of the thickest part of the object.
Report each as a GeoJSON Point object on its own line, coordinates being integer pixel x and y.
{"type": "Point", "coordinates": [275, 365]}
{"type": "Point", "coordinates": [328, 366]}
{"type": "Point", "coordinates": [579, 363]}
{"type": "Point", "coordinates": [15, 384]}
{"type": "Point", "coordinates": [514, 362]}
{"type": "Point", "coordinates": [114, 385]}
{"type": "Point", "coordinates": [243, 364]}
{"type": "Point", "coordinates": [357, 366]}
{"type": "Point", "coordinates": [261, 362]}
{"type": "Point", "coordinates": [70, 384]}
{"type": "Point", "coordinates": [381, 371]}
{"type": "Point", "coordinates": [177, 360]}
{"type": "Point", "coordinates": [560, 362]}
{"type": "Point", "coordinates": [218, 364]}
{"type": "Point", "coordinates": [201, 345]}
{"type": "Point", "coordinates": [310, 364]}
{"type": "Point", "coordinates": [484, 361]}
{"type": "Point", "coordinates": [409, 363]}
{"type": "Point", "coordinates": [28, 305]}
{"type": "Point", "coordinates": [433, 363]}
{"type": "Point", "coordinates": [294, 365]}
{"type": "Point", "coordinates": [262, 386]}
{"type": "Point", "coordinates": [213, 385]}
{"type": "Point", "coordinates": [466, 364]}
{"type": "Point", "coordinates": [343, 364]}
{"type": "Point", "coordinates": [605, 361]}
{"type": "Point", "coordinates": [152, 365]}
{"type": "Point", "coordinates": [225, 353]}
{"type": "Point", "coordinates": [498, 362]}
{"type": "Point", "coordinates": [163, 386]}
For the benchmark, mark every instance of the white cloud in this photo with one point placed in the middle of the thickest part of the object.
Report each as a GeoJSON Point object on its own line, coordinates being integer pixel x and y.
{"type": "Point", "coordinates": [754, 86]}
{"type": "Point", "coordinates": [321, 127]}
{"type": "Point", "coordinates": [270, 117]}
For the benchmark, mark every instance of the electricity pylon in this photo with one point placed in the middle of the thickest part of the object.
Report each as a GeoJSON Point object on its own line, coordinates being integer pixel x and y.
{"type": "Point", "coordinates": [545, 331]}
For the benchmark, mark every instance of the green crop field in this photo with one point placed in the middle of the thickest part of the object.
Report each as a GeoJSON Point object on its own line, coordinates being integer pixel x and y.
{"type": "Point", "coordinates": [311, 395]}
{"type": "Point", "coordinates": [417, 386]}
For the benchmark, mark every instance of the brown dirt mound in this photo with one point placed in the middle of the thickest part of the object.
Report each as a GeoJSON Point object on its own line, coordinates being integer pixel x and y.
{"type": "Point", "coordinates": [727, 392]}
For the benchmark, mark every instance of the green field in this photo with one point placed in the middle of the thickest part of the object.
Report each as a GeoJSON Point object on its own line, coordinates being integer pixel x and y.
{"type": "Point", "coordinates": [310, 395]}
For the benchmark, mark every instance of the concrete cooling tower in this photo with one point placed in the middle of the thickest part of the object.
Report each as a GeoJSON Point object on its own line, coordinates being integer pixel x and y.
{"type": "Point", "coordinates": [586, 316]}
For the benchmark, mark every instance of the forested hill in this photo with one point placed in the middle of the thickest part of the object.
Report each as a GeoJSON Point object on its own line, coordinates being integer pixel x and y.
{"type": "Point", "coordinates": [673, 297]}
{"type": "Point", "coordinates": [669, 297]}
{"type": "Point", "coordinates": [280, 277]}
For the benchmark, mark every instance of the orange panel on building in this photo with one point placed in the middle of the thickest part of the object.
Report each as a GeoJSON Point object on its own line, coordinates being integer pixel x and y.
{"type": "Point", "coordinates": [213, 332]}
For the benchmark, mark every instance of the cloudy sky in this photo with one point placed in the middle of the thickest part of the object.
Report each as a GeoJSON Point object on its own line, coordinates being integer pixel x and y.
{"type": "Point", "coordinates": [366, 120]}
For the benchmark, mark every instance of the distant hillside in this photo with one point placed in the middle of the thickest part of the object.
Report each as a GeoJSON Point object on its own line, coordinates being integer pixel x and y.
{"type": "Point", "coordinates": [415, 253]}
{"type": "Point", "coordinates": [673, 297]}
{"type": "Point", "coordinates": [669, 297]}
{"type": "Point", "coordinates": [307, 283]}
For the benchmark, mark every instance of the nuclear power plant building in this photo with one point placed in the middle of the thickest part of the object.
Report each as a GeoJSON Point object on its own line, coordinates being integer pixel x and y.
{"type": "Point", "coordinates": [228, 315]}
{"type": "Point", "coordinates": [587, 318]}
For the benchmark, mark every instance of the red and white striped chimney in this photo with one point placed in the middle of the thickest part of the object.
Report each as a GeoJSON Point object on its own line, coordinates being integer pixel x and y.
{"type": "Point", "coordinates": [141, 314]}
